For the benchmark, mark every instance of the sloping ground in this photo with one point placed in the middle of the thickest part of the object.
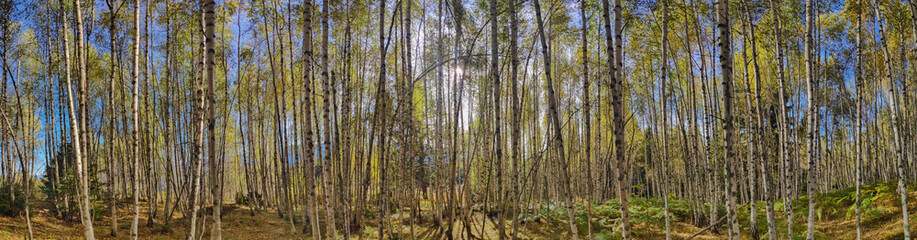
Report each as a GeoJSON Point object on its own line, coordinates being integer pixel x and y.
{"type": "Point", "coordinates": [835, 220]}
{"type": "Point", "coordinates": [237, 224]}
{"type": "Point", "coordinates": [881, 213]}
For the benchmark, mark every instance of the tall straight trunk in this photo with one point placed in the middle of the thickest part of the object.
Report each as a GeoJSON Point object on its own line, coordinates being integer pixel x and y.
{"type": "Point", "coordinates": [710, 140]}
{"type": "Point", "coordinates": [246, 158]}
{"type": "Point", "coordinates": [326, 108]}
{"type": "Point", "coordinates": [298, 193]}
{"type": "Point", "coordinates": [859, 115]}
{"type": "Point", "coordinates": [696, 139]}
{"type": "Point", "coordinates": [153, 181]}
{"type": "Point", "coordinates": [750, 136]}
{"type": "Point", "coordinates": [610, 53]}
{"type": "Point", "coordinates": [309, 152]}
{"type": "Point", "coordinates": [782, 130]}
{"type": "Point", "coordinates": [250, 168]}
{"type": "Point", "coordinates": [282, 120]}
{"type": "Point", "coordinates": [401, 114]}
{"type": "Point", "coordinates": [710, 152]}
{"type": "Point", "coordinates": [498, 137]}
{"type": "Point", "coordinates": [85, 215]}
{"type": "Point", "coordinates": [725, 45]}
{"type": "Point", "coordinates": [197, 153]}
{"type": "Point", "coordinates": [617, 78]}
{"type": "Point", "coordinates": [458, 17]}
{"type": "Point", "coordinates": [124, 154]}
{"type": "Point", "coordinates": [439, 161]}
{"type": "Point", "coordinates": [665, 110]}
{"type": "Point", "coordinates": [555, 119]}
{"type": "Point", "coordinates": [893, 109]}
{"type": "Point", "coordinates": [215, 180]}
{"type": "Point", "coordinates": [381, 107]}
{"type": "Point", "coordinates": [50, 123]}
{"type": "Point", "coordinates": [296, 168]}
{"type": "Point", "coordinates": [82, 89]}
{"type": "Point", "coordinates": [135, 122]}
{"type": "Point", "coordinates": [168, 121]}
{"type": "Point", "coordinates": [345, 124]}
{"type": "Point", "coordinates": [758, 140]}
{"type": "Point", "coordinates": [5, 40]}
{"type": "Point", "coordinates": [282, 190]}
{"type": "Point", "coordinates": [517, 111]}
{"type": "Point", "coordinates": [410, 131]}
{"type": "Point", "coordinates": [590, 184]}
{"type": "Point", "coordinates": [812, 118]}
{"type": "Point", "coordinates": [109, 140]}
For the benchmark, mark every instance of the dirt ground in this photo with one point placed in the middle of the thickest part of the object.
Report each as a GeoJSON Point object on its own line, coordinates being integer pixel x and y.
{"type": "Point", "coordinates": [239, 223]}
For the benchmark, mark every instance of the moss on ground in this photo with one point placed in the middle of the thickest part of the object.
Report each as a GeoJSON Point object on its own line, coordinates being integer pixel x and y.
{"type": "Point", "coordinates": [834, 220]}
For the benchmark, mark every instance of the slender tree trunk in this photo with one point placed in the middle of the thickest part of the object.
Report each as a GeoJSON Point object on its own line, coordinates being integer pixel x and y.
{"type": "Point", "coordinates": [782, 130]}
{"type": "Point", "coordinates": [135, 122]}
{"type": "Point", "coordinates": [517, 113]}
{"type": "Point", "coordinates": [5, 40]}
{"type": "Point", "coordinates": [50, 130]}
{"type": "Point", "coordinates": [198, 139]}
{"type": "Point", "coordinates": [555, 118]}
{"type": "Point", "coordinates": [82, 90]}
{"type": "Point", "coordinates": [111, 125]}
{"type": "Point", "coordinates": [167, 134]}
{"type": "Point", "coordinates": [152, 179]}
{"type": "Point", "coordinates": [381, 101]}
{"type": "Point", "coordinates": [725, 45]}
{"type": "Point", "coordinates": [85, 214]}
{"type": "Point", "coordinates": [50, 124]}
{"type": "Point", "coordinates": [439, 161]}
{"type": "Point", "coordinates": [411, 130]}
{"type": "Point", "coordinates": [326, 107]}
{"type": "Point", "coordinates": [859, 115]}
{"type": "Point", "coordinates": [752, 134]}
{"type": "Point", "coordinates": [755, 139]}
{"type": "Point", "coordinates": [665, 111]}
{"type": "Point", "coordinates": [696, 139]}
{"type": "Point", "coordinates": [760, 140]}
{"type": "Point", "coordinates": [457, 94]}
{"type": "Point", "coordinates": [282, 188]}
{"type": "Point", "coordinates": [346, 128]}
{"type": "Point", "coordinates": [812, 118]}
{"type": "Point", "coordinates": [893, 109]}
{"type": "Point", "coordinates": [590, 184]}
{"type": "Point", "coordinates": [495, 77]}
{"type": "Point", "coordinates": [308, 155]}
{"type": "Point", "coordinates": [710, 152]}
{"type": "Point", "coordinates": [215, 179]}
{"type": "Point", "coordinates": [618, 118]}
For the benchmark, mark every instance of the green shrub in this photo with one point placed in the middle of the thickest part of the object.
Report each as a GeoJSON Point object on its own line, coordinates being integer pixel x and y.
{"type": "Point", "coordinates": [60, 185]}
{"type": "Point", "coordinates": [247, 200]}
{"type": "Point", "coordinates": [8, 206]}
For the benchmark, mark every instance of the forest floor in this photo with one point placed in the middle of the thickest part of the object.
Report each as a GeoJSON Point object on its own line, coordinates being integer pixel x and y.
{"type": "Point", "coordinates": [835, 220]}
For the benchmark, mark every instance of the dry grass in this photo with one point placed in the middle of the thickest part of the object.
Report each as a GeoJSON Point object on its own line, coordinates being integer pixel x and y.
{"type": "Point", "coordinates": [238, 223]}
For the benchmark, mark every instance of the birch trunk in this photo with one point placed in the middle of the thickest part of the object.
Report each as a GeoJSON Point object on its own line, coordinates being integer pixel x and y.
{"type": "Point", "coordinates": [85, 215]}
{"type": "Point", "coordinates": [555, 118]}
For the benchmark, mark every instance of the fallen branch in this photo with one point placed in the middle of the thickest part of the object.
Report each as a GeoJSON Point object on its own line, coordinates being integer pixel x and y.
{"type": "Point", "coordinates": [18, 226]}
{"type": "Point", "coordinates": [11, 225]}
{"type": "Point", "coordinates": [713, 224]}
